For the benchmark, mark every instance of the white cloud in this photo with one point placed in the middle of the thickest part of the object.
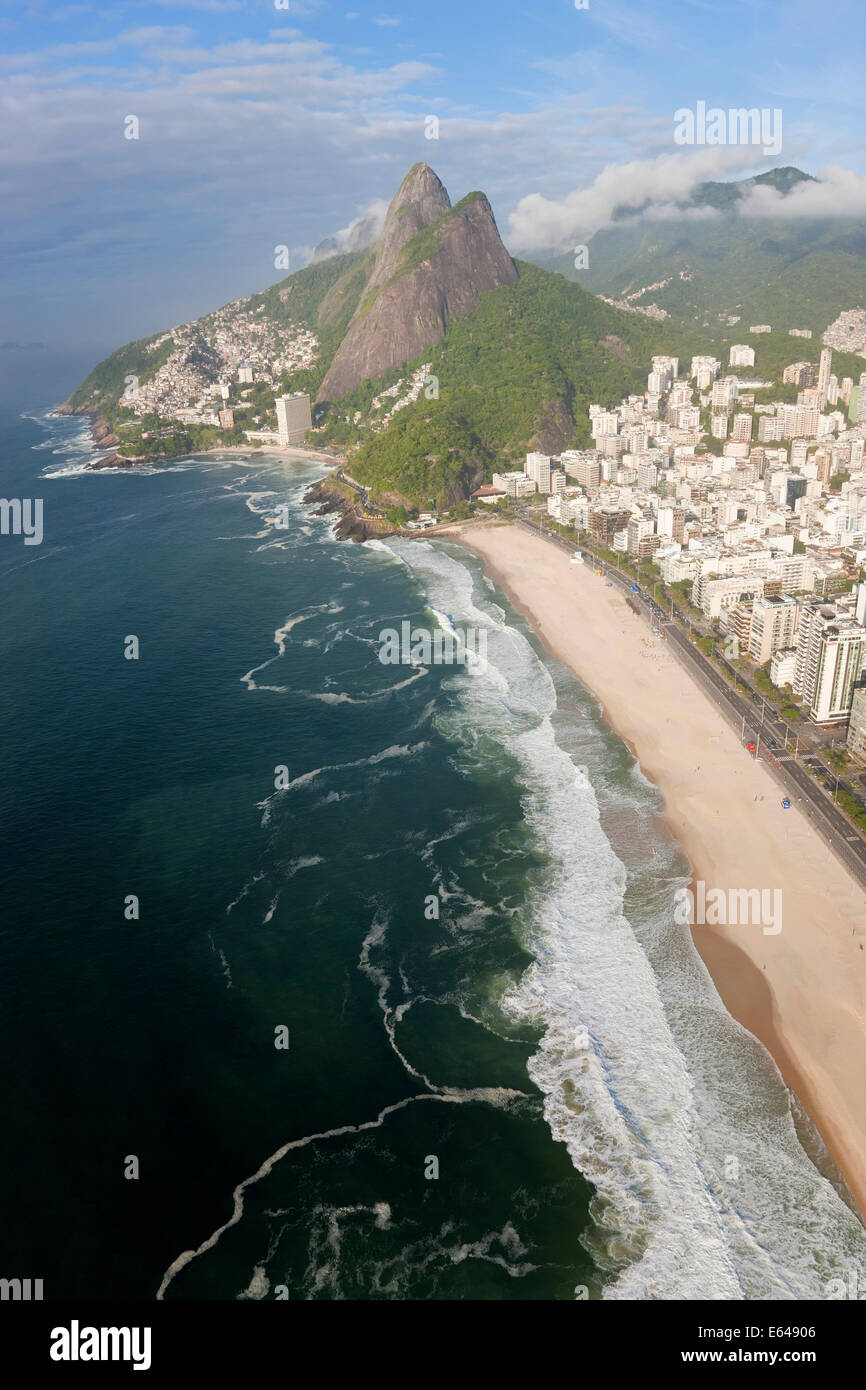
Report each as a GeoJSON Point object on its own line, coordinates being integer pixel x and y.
{"type": "Point", "coordinates": [209, 6]}
{"type": "Point", "coordinates": [273, 139]}
{"type": "Point", "coordinates": [839, 193]}
{"type": "Point", "coordinates": [643, 186]}
{"type": "Point", "coordinates": [363, 230]}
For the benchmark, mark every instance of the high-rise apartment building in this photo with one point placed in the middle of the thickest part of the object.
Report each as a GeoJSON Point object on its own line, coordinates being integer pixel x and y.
{"type": "Point", "coordinates": [741, 355]}
{"type": "Point", "coordinates": [857, 724]}
{"type": "Point", "coordinates": [824, 375]}
{"type": "Point", "coordinates": [604, 423]}
{"type": "Point", "coordinates": [831, 646]}
{"type": "Point", "coordinates": [799, 374]}
{"type": "Point", "coordinates": [719, 426]}
{"type": "Point", "coordinates": [774, 626]}
{"type": "Point", "coordinates": [724, 395]}
{"type": "Point", "coordinates": [638, 528]}
{"type": "Point", "coordinates": [537, 467]}
{"type": "Point", "coordinates": [294, 418]}
{"type": "Point", "coordinates": [769, 429]}
{"type": "Point", "coordinates": [605, 522]}
{"type": "Point", "coordinates": [582, 466]}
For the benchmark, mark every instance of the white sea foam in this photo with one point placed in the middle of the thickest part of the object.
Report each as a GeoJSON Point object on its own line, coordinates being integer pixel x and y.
{"type": "Point", "coordinates": [646, 1079]}
{"type": "Point", "coordinates": [226, 968]}
{"type": "Point", "coordinates": [328, 697]}
{"type": "Point", "coordinates": [308, 861]}
{"type": "Point", "coordinates": [280, 636]}
{"type": "Point", "coordinates": [379, 547]}
{"type": "Point", "coordinates": [497, 1096]}
{"type": "Point", "coordinates": [247, 888]}
{"type": "Point", "coordinates": [307, 779]}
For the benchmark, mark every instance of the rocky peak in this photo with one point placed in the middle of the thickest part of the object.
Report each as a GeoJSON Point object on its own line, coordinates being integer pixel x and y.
{"type": "Point", "coordinates": [420, 200]}
{"type": "Point", "coordinates": [432, 263]}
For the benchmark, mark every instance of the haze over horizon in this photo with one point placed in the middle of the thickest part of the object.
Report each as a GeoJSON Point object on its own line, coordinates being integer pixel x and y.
{"type": "Point", "coordinates": [261, 127]}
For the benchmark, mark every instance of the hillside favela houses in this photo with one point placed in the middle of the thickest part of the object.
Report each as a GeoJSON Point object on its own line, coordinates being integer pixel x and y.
{"type": "Point", "coordinates": [763, 524]}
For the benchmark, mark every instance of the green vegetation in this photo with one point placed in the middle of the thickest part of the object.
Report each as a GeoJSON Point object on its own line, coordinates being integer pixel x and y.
{"type": "Point", "coordinates": [520, 371]}
{"type": "Point", "coordinates": [298, 298]}
{"type": "Point", "coordinates": [105, 385]}
{"type": "Point", "coordinates": [323, 298]}
{"type": "Point", "coordinates": [427, 242]}
{"type": "Point", "coordinates": [423, 246]}
{"type": "Point", "coordinates": [294, 302]}
{"type": "Point", "coordinates": [764, 684]}
{"type": "Point", "coordinates": [788, 272]}
{"type": "Point", "coordinates": [853, 808]}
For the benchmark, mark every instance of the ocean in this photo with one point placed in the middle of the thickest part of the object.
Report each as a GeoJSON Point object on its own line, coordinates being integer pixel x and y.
{"type": "Point", "coordinates": [330, 979]}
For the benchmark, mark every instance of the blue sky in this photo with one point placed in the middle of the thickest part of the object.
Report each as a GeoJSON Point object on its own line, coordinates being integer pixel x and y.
{"type": "Point", "coordinates": [261, 126]}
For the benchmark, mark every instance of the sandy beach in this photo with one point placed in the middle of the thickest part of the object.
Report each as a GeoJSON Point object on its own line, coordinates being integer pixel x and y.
{"type": "Point", "coordinates": [293, 453]}
{"type": "Point", "coordinates": [802, 990]}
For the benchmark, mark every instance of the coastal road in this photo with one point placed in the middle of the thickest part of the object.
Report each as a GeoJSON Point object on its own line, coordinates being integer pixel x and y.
{"type": "Point", "coordinates": [760, 728]}
{"type": "Point", "coordinates": [363, 492]}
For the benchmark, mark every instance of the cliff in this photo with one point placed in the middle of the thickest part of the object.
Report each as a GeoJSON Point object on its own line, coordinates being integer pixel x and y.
{"type": "Point", "coordinates": [432, 263]}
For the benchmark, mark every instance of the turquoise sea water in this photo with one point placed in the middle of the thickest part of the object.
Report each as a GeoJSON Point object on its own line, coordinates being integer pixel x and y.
{"type": "Point", "coordinates": [549, 1044]}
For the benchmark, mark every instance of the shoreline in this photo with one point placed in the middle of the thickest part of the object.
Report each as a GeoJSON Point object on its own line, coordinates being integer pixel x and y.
{"type": "Point", "coordinates": [802, 992]}
{"type": "Point", "coordinates": [103, 437]}
{"type": "Point", "coordinates": [291, 452]}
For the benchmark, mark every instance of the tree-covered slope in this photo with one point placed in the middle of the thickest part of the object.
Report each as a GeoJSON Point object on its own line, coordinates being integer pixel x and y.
{"type": "Point", "coordinates": [518, 372]}
{"type": "Point", "coordinates": [789, 272]}
{"type": "Point", "coordinates": [293, 303]}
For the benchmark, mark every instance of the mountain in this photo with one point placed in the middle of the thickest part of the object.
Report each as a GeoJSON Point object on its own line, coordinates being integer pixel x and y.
{"type": "Point", "coordinates": [432, 263]}
{"type": "Point", "coordinates": [726, 196]}
{"type": "Point", "coordinates": [789, 272]}
{"type": "Point", "coordinates": [519, 372]}
{"type": "Point", "coordinates": [434, 358]}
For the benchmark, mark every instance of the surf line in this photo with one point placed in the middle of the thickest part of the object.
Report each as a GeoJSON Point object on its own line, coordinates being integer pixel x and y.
{"type": "Point", "coordinates": [482, 1094]}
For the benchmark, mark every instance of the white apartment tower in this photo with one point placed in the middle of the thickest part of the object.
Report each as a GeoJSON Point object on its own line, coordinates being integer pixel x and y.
{"type": "Point", "coordinates": [604, 423]}
{"type": "Point", "coordinates": [774, 627]}
{"type": "Point", "coordinates": [824, 375]}
{"type": "Point", "coordinates": [537, 467]}
{"type": "Point", "coordinates": [724, 394]}
{"type": "Point", "coordinates": [719, 426]}
{"type": "Point", "coordinates": [831, 647]}
{"type": "Point", "coordinates": [742, 355]}
{"type": "Point", "coordinates": [857, 725]}
{"type": "Point", "coordinates": [294, 418]}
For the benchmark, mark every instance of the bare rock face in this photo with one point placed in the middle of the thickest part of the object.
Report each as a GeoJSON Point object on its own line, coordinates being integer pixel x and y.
{"type": "Point", "coordinates": [432, 263]}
